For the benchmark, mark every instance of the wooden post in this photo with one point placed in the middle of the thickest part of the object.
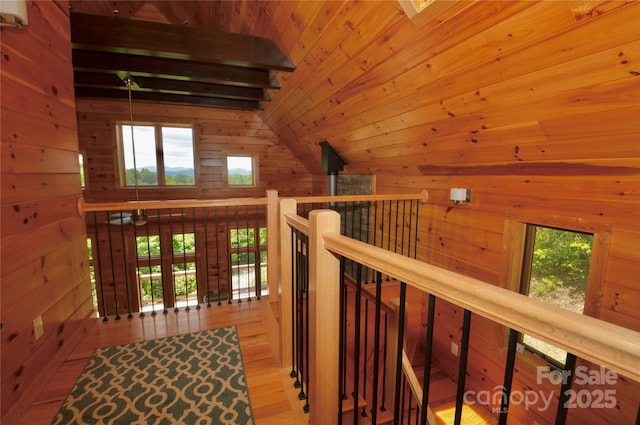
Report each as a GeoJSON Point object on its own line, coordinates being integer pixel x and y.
{"type": "Point", "coordinates": [273, 239]}
{"type": "Point", "coordinates": [324, 320]}
{"type": "Point", "coordinates": [284, 291]}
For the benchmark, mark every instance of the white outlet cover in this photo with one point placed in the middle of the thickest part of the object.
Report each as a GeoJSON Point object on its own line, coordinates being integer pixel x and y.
{"type": "Point", "coordinates": [454, 349]}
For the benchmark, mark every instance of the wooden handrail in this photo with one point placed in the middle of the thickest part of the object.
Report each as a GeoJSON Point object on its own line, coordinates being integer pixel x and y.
{"type": "Point", "coordinates": [422, 197]}
{"type": "Point", "coordinates": [84, 206]}
{"type": "Point", "coordinates": [416, 388]}
{"type": "Point", "coordinates": [603, 343]}
{"type": "Point", "coordinates": [298, 223]}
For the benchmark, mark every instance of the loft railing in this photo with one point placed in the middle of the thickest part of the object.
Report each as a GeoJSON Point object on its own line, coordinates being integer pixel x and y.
{"type": "Point", "coordinates": [181, 254]}
{"type": "Point", "coordinates": [585, 338]}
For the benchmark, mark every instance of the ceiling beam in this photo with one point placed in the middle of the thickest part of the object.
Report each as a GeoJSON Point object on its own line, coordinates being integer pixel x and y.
{"type": "Point", "coordinates": [160, 85]}
{"type": "Point", "coordinates": [155, 97]}
{"type": "Point", "coordinates": [146, 66]}
{"type": "Point", "coordinates": [117, 35]}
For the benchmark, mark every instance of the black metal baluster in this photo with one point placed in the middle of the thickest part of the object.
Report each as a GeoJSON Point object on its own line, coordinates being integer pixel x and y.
{"type": "Point", "coordinates": [376, 348]}
{"type": "Point", "coordinates": [462, 368]}
{"type": "Point", "coordinates": [415, 239]}
{"type": "Point", "coordinates": [383, 401]}
{"type": "Point", "coordinates": [294, 372]}
{"type": "Point", "coordinates": [404, 215]}
{"type": "Point", "coordinates": [356, 339]}
{"type": "Point", "coordinates": [305, 280]}
{"type": "Point", "coordinates": [508, 377]}
{"type": "Point", "coordinates": [426, 381]}
{"type": "Point", "coordinates": [206, 256]}
{"type": "Point", "coordinates": [399, 348]}
{"type": "Point", "coordinates": [565, 389]}
{"type": "Point", "coordinates": [395, 236]}
{"type": "Point", "coordinates": [364, 356]}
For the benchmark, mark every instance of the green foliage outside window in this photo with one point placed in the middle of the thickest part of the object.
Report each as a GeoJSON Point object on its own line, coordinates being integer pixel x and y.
{"type": "Point", "coordinates": [560, 259]}
{"type": "Point", "coordinates": [240, 179]}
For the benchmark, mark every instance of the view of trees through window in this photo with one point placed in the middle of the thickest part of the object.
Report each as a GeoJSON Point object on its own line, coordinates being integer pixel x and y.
{"type": "Point", "coordinates": [184, 273]}
{"type": "Point", "coordinates": [556, 271]}
{"type": "Point", "coordinates": [248, 260]}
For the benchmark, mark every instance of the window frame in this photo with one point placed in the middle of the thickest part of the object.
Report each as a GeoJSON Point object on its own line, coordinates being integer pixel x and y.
{"type": "Point", "coordinates": [160, 163]}
{"type": "Point", "coordinates": [514, 241]}
{"type": "Point", "coordinates": [531, 231]}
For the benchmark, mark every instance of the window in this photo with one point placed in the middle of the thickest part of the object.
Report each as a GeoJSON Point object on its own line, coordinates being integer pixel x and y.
{"type": "Point", "coordinates": [555, 270]}
{"type": "Point", "coordinates": [164, 155]}
{"type": "Point", "coordinates": [240, 171]}
{"type": "Point", "coordinates": [248, 261]}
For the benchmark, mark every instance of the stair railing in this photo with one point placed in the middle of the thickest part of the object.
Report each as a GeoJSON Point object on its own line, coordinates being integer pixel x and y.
{"type": "Point", "coordinates": [605, 344]}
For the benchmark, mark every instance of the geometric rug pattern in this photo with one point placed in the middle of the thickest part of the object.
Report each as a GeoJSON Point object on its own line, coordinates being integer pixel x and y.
{"type": "Point", "coordinates": [195, 378]}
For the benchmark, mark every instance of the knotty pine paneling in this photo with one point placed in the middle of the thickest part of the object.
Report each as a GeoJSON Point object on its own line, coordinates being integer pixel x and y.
{"type": "Point", "coordinates": [44, 265]}
{"type": "Point", "coordinates": [217, 132]}
{"type": "Point", "coordinates": [459, 237]}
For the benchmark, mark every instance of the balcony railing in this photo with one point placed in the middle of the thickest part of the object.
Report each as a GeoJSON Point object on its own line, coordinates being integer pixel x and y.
{"type": "Point", "coordinates": [180, 254]}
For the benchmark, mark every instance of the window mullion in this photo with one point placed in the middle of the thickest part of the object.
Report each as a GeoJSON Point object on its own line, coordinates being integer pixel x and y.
{"type": "Point", "coordinates": [160, 156]}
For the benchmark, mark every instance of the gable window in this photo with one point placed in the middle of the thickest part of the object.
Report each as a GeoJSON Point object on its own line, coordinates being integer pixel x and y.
{"type": "Point", "coordinates": [163, 155]}
{"type": "Point", "coordinates": [241, 170]}
{"type": "Point", "coordinates": [555, 270]}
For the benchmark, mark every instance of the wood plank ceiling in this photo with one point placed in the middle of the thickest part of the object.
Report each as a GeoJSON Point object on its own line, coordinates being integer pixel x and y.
{"type": "Point", "coordinates": [481, 88]}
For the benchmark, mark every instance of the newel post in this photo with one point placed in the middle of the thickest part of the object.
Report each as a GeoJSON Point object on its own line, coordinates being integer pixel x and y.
{"type": "Point", "coordinates": [285, 290]}
{"type": "Point", "coordinates": [324, 318]}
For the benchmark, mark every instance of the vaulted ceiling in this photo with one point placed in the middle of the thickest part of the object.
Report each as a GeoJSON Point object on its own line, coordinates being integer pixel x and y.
{"type": "Point", "coordinates": [469, 87]}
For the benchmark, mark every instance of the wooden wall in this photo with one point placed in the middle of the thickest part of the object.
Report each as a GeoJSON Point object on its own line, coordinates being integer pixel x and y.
{"type": "Point", "coordinates": [474, 240]}
{"type": "Point", "coordinates": [217, 132]}
{"type": "Point", "coordinates": [44, 267]}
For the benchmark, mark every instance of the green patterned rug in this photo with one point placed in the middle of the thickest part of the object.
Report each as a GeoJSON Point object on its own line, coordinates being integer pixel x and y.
{"type": "Point", "coordinates": [195, 378]}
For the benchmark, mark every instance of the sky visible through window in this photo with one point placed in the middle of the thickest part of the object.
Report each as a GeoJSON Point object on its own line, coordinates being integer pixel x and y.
{"type": "Point", "coordinates": [239, 162]}
{"type": "Point", "coordinates": [177, 145]}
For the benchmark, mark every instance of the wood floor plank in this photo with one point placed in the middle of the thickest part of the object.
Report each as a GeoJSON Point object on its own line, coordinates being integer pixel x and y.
{"type": "Point", "coordinates": [271, 395]}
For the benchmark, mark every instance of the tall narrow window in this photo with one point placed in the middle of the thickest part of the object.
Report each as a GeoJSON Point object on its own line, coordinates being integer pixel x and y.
{"type": "Point", "coordinates": [162, 155]}
{"type": "Point", "coordinates": [555, 270]}
{"type": "Point", "coordinates": [240, 170]}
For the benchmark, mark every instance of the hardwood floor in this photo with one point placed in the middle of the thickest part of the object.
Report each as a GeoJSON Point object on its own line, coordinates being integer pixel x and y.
{"type": "Point", "coordinates": [273, 397]}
